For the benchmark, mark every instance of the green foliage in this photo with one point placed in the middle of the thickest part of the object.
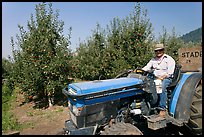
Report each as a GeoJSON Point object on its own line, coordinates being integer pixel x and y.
{"type": "Point", "coordinates": [7, 72]}
{"type": "Point", "coordinates": [6, 94]}
{"type": "Point", "coordinates": [171, 42]}
{"type": "Point", "coordinates": [9, 122]}
{"type": "Point", "coordinates": [88, 62]}
{"type": "Point", "coordinates": [125, 44]}
{"type": "Point", "coordinates": [42, 62]}
{"type": "Point", "coordinates": [5, 68]}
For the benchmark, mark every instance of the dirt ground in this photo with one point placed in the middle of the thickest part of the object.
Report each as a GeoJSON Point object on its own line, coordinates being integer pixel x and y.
{"type": "Point", "coordinates": [48, 121]}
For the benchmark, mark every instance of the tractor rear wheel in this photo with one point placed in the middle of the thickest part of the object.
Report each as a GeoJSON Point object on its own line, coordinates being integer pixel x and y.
{"type": "Point", "coordinates": [195, 121]}
{"type": "Point", "coordinates": [121, 128]}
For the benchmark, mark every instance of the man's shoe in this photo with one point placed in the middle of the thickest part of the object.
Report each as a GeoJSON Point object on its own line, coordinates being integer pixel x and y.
{"type": "Point", "coordinates": [162, 113]}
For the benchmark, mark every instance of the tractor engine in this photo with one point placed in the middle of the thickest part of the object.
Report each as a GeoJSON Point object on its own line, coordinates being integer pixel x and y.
{"type": "Point", "coordinates": [98, 102]}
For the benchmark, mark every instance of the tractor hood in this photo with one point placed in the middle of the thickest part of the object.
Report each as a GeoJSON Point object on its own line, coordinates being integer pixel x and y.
{"type": "Point", "coordinates": [89, 87]}
{"type": "Point", "coordinates": [91, 92]}
{"type": "Point", "coordinates": [97, 100]}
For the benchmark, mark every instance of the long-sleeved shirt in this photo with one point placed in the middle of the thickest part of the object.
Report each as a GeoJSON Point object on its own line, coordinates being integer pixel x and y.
{"type": "Point", "coordinates": [161, 66]}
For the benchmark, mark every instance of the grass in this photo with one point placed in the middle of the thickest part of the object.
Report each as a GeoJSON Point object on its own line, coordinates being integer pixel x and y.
{"type": "Point", "coordinates": [27, 125]}
{"type": "Point", "coordinates": [9, 122]}
{"type": "Point", "coordinates": [29, 114]}
{"type": "Point", "coordinates": [59, 110]}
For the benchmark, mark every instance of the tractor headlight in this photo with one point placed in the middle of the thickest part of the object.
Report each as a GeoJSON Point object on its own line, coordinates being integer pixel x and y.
{"type": "Point", "coordinates": [74, 109]}
{"type": "Point", "coordinates": [71, 91]}
{"type": "Point", "coordinates": [77, 110]}
{"type": "Point", "coordinates": [69, 105]}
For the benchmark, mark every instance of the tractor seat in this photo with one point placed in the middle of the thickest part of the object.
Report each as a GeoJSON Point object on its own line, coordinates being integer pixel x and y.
{"type": "Point", "coordinates": [176, 75]}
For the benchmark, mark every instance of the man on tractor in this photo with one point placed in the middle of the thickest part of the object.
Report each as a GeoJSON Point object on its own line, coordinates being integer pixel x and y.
{"type": "Point", "coordinates": [163, 67]}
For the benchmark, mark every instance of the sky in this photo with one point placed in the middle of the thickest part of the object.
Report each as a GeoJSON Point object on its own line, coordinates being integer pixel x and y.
{"type": "Point", "coordinates": [83, 17]}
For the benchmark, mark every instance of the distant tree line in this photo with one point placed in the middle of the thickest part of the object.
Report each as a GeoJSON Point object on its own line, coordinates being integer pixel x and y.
{"type": "Point", "coordinates": [194, 36]}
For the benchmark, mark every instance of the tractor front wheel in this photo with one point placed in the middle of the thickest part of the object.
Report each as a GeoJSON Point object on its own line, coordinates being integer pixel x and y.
{"type": "Point", "coordinates": [122, 128]}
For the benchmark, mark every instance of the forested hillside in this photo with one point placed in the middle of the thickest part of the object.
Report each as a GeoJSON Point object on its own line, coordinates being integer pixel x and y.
{"type": "Point", "coordinates": [194, 36]}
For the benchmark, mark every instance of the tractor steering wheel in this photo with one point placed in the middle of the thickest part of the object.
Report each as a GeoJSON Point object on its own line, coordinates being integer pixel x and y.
{"type": "Point", "coordinates": [144, 73]}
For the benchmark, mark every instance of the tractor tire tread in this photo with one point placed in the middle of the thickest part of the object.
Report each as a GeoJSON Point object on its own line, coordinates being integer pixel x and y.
{"type": "Point", "coordinates": [121, 128]}
{"type": "Point", "coordinates": [195, 121]}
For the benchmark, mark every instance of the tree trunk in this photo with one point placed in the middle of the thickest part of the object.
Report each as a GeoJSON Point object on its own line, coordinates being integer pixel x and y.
{"type": "Point", "coordinates": [50, 101]}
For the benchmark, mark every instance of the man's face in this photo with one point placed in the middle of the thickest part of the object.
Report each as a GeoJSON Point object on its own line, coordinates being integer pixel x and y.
{"type": "Point", "coordinates": [159, 52]}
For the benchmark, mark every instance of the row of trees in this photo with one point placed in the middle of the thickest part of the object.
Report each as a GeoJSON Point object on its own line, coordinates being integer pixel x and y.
{"type": "Point", "coordinates": [43, 63]}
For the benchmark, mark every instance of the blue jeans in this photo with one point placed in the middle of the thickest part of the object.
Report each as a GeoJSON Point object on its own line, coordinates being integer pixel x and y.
{"type": "Point", "coordinates": [163, 96]}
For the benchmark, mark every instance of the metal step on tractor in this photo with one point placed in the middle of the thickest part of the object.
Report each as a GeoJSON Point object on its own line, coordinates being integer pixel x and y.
{"type": "Point", "coordinates": [118, 106]}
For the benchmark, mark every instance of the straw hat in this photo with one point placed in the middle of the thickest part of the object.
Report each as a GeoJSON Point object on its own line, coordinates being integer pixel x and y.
{"type": "Point", "coordinates": [159, 46]}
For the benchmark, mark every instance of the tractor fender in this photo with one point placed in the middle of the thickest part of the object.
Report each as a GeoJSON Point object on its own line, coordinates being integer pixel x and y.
{"type": "Point", "coordinates": [183, 94]}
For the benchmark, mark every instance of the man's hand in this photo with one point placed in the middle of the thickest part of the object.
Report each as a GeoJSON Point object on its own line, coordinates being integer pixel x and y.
{"type": "Point", "coordinates": [163, 77]}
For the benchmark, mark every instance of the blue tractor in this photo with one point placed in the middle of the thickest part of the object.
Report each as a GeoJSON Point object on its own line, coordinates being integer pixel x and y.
{"type": "Point", "coordinates": [118, 106]}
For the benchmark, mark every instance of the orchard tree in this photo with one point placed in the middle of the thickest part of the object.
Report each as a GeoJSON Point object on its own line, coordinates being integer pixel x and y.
{"type": "Point", "coordinates": [130, 40]}
{"type": "Point", "coordinates": [42, 61]}
{"type": "Point", "coordinates": [171, 42]}
{"type": "Point", "coordinates": [88, 62]}
{"type": "Point", "coordinates": [7, 68]}
{"type": "Point", "coordinates": [127, 45]}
